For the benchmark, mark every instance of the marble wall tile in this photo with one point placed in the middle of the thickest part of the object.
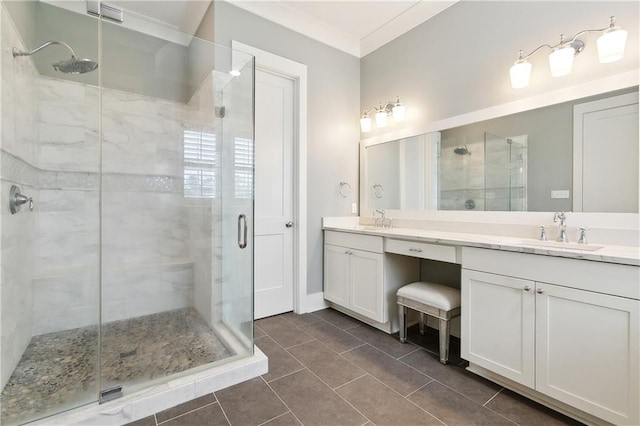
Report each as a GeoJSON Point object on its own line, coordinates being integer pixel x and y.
{"type": "Point", "coordinates": [67, 301]}
{"type": "Point", "coordinates": [146, 290]}
{"type": "Point", "coordinates": [18, 162]}
{"type": "Point", "coordinates": [18, 237]}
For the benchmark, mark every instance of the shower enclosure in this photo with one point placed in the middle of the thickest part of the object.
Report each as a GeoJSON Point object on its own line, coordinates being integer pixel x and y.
{"type": "Point", "coordinates": [133, 263]}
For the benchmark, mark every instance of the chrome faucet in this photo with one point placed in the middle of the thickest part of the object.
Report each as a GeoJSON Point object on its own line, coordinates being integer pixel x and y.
{"type": "Point", "coordinates": [562, 237]}
{"type": "Point", "coordinates": [375, 219]}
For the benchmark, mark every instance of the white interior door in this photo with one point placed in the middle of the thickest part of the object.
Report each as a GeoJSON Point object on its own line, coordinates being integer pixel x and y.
{"type": "Point", "coordinates": [606, 155]}
{"type": "Point", "coordinates": [273, 194]}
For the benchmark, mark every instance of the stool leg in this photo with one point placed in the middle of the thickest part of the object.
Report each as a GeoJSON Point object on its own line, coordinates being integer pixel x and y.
{"type": "Point", "coordinates": [444, 341]}
{"type": "Point", "coordinates": [423, 321]}
{"type": "Point", "coordinates": [402, 313]}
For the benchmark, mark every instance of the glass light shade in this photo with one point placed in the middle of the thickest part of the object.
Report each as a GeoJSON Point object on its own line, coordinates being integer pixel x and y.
{"type": "Point", "coordinates": [561, 61]}
{"type": "Point", "coordinates": [365, 124]}
{"type": "Point", "coordinates": [520, 74]}
{"type": "Point", "coordinates": [398, 112]}
{"type": "Point", "coordinates": [611, 45]}
{"type": "Point", "coordinates": [381, 118]}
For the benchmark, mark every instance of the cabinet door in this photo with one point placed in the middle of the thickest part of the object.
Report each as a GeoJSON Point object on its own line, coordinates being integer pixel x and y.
{"type": "Point", "coordinates": [336, 274]}
{"type": "Point", "coordinates": [587, 352]}
{"type": "Point", "coordinates": [498, 324]}
{"type": "Point", "coordinates": [366, 285]}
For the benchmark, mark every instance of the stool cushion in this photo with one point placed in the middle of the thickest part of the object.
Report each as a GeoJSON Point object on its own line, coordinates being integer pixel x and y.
{"type": "Point", "coordinates": [431, 294]}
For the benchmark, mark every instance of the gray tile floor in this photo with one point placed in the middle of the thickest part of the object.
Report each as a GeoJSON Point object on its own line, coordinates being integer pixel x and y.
{"type": "Point", "coordinates": [326, 368]}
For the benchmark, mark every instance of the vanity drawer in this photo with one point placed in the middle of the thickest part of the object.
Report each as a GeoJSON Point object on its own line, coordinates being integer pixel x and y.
{"type": "Point", "coordinates": [356, 241]}
{"type": "Point", "coordinates": [422, 250]}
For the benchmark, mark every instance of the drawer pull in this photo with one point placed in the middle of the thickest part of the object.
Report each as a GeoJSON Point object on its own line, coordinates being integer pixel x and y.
{"type": "Point", "coordinates": [417, 250]}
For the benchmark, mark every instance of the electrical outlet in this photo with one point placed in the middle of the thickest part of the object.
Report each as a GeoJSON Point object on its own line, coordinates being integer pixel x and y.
{"type": "Point", "coordinates": [560, 193]}
{"type": "Point", "coordinates": [354, 207]}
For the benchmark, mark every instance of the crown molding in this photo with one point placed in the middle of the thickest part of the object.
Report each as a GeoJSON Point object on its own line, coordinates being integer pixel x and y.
{"type": "Point", "coordinates": [406, 21]}
{"type": "Point", "coordinates": [281, 14]}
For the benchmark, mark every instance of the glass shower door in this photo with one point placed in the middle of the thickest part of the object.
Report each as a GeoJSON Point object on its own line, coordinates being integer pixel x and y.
{"type": "Point", "coordinates": [49, 150]}
{"type": "Point", "coordinates": [505, 172]}
{"type": "Point", "coordinates": [176, 126]}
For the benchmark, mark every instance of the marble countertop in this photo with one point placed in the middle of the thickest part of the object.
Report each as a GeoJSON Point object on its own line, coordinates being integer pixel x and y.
{"type": "Point", "coordinates": [626, 255]}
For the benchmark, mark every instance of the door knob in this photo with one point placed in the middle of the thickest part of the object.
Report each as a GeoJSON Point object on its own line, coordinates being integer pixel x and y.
{"type": "Point", "coordinates": [289, 224]}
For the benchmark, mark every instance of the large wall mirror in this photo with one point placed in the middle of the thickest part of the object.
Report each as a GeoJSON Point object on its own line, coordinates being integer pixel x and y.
{"type": "Point", "coordinates": [580, 155]}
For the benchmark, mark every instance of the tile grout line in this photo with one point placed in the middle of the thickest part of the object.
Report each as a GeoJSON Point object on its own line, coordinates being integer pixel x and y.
{"type": "Point", "coordinates": [281, 400]}
{"type": "Point", "coordinates": [224, 413]}
{"type": "Point", "coordinates": [491, 399]}
{"type": "Point", "coordinates": [331, 389]}
{"type": "Point", "coordinates": [350, 381]}
{"type": "Point", "coordinates": [407, 399]}
{"type": "Point", "coordinates": [421, 387]}
{"type": "Point", "coordinates": [285, 375]}
{"type": "Point", "coordinates": [279, 415]}
{"type": "Point", "coordinates": [352, 349]}
{"type": "Point", "coordinates": [184, 414]}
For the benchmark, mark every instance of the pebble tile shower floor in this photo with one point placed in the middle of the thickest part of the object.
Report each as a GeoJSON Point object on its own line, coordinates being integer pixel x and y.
{"type": "Point", "coordinates": [328, 369]}
{"type": "Point", "coordinates": [59, 369]}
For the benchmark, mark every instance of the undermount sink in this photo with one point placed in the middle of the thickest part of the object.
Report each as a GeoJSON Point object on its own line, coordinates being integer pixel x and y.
{"type": "Point", "coordinates": [558, 245]}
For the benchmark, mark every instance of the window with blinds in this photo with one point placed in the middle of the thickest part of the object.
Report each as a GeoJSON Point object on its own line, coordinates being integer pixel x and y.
{"type": "Point", "coordinates": [243, 154]}
{"type": "Point", "coordinates": [201, 159]}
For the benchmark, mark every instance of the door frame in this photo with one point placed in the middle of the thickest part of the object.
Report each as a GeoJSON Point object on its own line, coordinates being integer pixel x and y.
{"type": "Point", "coordinates": [579, 111]}
{"type": "Point", "coordinates": [269, 62]}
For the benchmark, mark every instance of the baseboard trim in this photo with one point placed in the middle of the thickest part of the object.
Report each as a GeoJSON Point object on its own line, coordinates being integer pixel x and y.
{"type": "Point", "coordinates": [312, 302]}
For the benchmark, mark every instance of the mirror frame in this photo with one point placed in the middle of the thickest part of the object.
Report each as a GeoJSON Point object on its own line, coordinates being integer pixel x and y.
{"type": "Point", "coordinates": [590, 88]}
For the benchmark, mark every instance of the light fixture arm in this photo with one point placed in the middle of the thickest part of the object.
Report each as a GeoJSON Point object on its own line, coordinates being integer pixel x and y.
{"type": "Point", "coordinates": [578, 45]}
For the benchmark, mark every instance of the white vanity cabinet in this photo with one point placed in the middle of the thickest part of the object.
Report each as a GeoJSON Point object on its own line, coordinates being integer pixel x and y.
{"type": "Point", "coordinates": [498, 328]}
{"type": "Point", "coordinates": [353, 273]}
{"type": "Point", "coordinates": [361, 279]}
{"type": "Point", "coordinates": [567, 329]}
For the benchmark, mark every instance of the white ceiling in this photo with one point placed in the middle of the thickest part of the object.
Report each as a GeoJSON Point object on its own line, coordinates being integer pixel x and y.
{"type": "Point", "coordinates": [357, 27]}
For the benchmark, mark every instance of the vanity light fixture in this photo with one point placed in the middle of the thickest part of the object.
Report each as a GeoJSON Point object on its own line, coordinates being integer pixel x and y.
{"type": "Point", "coordinates": [610, 49]}
{"type": "Point", "coordinates": [394, 109]}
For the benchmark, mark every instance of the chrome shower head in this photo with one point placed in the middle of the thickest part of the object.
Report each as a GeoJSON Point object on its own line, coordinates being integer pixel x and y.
{"type": "Point", "coordinates": [69, 66]}
{"type": "Point", "coordinates": [462, 150]}
{"type": "Point", "coordinates": [75, 66]}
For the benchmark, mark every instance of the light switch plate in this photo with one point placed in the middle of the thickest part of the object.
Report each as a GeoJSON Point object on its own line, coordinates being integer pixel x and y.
{"type": "Point", "coordinates": [564, 193]}
{"type": "Point", "coordinates": [354, 207]}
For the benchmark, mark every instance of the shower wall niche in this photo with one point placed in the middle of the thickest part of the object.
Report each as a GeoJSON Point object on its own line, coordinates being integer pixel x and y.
{"type": "Point", "coordinates": [118, 277]}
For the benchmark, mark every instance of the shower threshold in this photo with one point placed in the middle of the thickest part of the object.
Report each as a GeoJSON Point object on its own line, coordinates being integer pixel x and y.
{"type": "Point", "coordinates": [58, 370]}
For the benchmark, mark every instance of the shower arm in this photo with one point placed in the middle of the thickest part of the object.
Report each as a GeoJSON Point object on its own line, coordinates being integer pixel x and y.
{"type": "Point", "coordinates": [17, 52]}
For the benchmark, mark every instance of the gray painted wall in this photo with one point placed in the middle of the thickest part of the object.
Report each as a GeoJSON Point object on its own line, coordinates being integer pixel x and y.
{"type": "Point", "coordinates": [459, 61]}
{"type": "Point", "coordinates": [333, 108]}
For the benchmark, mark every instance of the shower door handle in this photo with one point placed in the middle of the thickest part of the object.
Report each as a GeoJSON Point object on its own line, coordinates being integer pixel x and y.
{"type": "Point", "coordinates": [242, 231]}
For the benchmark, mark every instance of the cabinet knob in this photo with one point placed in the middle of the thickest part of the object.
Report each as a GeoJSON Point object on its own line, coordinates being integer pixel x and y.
{"type": "Point", "coordinates": [539, 291]}
{"type": "Point", "coordinates": [417, 250]}
{"type": "Point", "coordinates": [527, 288]}
{"type": "Point", "coordinates": [348, 252]}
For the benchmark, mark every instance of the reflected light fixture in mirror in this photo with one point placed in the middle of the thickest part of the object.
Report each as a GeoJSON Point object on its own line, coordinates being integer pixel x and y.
{"type": "Point", "coordinates": [610, 49]}
{"type": "Point", "coordinates": [394, 109]}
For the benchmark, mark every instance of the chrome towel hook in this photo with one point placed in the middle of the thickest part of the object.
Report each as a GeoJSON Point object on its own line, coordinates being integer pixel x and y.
{"type": "Point", "coordinates": [16, 199]}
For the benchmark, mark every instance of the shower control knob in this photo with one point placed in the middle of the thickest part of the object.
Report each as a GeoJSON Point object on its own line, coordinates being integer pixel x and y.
{"type": "Point", "coordinates": [289, 224]}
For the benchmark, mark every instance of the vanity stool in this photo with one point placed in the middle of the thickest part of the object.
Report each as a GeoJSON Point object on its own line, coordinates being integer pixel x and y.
{"type": "Point", "coordinates": [431, 299]}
